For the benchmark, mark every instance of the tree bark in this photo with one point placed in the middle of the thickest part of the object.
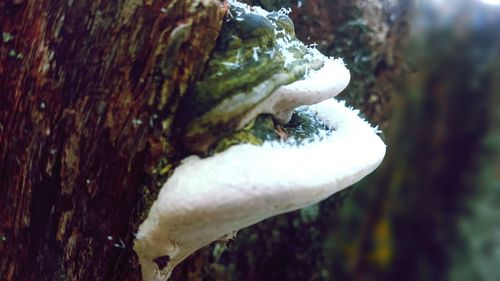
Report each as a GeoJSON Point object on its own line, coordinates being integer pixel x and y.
{"type": "Point", "coordinates": [88, 91]}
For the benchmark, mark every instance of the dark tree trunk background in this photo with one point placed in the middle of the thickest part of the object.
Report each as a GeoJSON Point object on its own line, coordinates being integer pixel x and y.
{"type": "Point", "coordinates": [88, 92]}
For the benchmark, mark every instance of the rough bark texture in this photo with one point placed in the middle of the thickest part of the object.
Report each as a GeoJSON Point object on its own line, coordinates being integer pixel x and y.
{"type": "Point", "coordinates": [88, 90]}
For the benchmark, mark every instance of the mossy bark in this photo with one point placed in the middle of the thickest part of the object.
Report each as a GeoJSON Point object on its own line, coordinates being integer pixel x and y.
{"type": "Point", "coordinates": [88, 90]}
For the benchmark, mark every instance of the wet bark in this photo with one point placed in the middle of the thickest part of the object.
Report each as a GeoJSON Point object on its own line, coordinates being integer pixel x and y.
{"type": "Point", "coordinates": [88, 91]}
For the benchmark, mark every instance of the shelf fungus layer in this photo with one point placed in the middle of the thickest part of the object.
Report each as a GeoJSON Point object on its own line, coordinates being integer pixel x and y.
{"type": "Point", "coordinates": [322, 147]}
{"type": "Point", "coordinates": [208, 198]}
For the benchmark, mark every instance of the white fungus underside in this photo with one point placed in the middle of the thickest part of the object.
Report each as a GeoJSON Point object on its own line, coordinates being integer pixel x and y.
{"type": "Point", "coordinates": [206, 199]}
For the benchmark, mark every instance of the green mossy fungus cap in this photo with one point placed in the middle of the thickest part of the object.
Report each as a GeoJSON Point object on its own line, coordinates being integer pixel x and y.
{"type": "Point", "coordinates": [256, 53]}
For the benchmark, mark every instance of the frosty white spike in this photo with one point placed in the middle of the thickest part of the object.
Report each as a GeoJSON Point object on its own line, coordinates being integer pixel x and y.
{"type": "Point", "coordinates": [206, 199]}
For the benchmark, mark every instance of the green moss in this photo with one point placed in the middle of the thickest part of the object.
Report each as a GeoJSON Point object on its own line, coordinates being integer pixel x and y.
{"type": "Point", "coordinates": [303, 126]}
{"type": "Point", "coordinates": [7, 37]}
{"type": "Point", "coordinates": [15, 54]}
{"type": "Point", "coordinates": [353, 45]}
{"type": "Point", "coordinates": [245, 135]}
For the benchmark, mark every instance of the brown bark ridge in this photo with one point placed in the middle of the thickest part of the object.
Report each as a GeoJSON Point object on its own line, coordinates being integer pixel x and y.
{"type": "Point", "coordinates": [88, 90]}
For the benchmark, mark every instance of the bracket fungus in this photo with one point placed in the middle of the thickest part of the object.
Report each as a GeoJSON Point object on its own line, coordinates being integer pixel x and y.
{"type": "Point", "coordinates": [206, 199]}
{"type": "Point", "coordinates": [256, 53]}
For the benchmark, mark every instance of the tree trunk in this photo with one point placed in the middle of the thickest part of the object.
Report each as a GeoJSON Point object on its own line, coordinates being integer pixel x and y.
{"type": "Point", "coordinates": [88, 90]}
